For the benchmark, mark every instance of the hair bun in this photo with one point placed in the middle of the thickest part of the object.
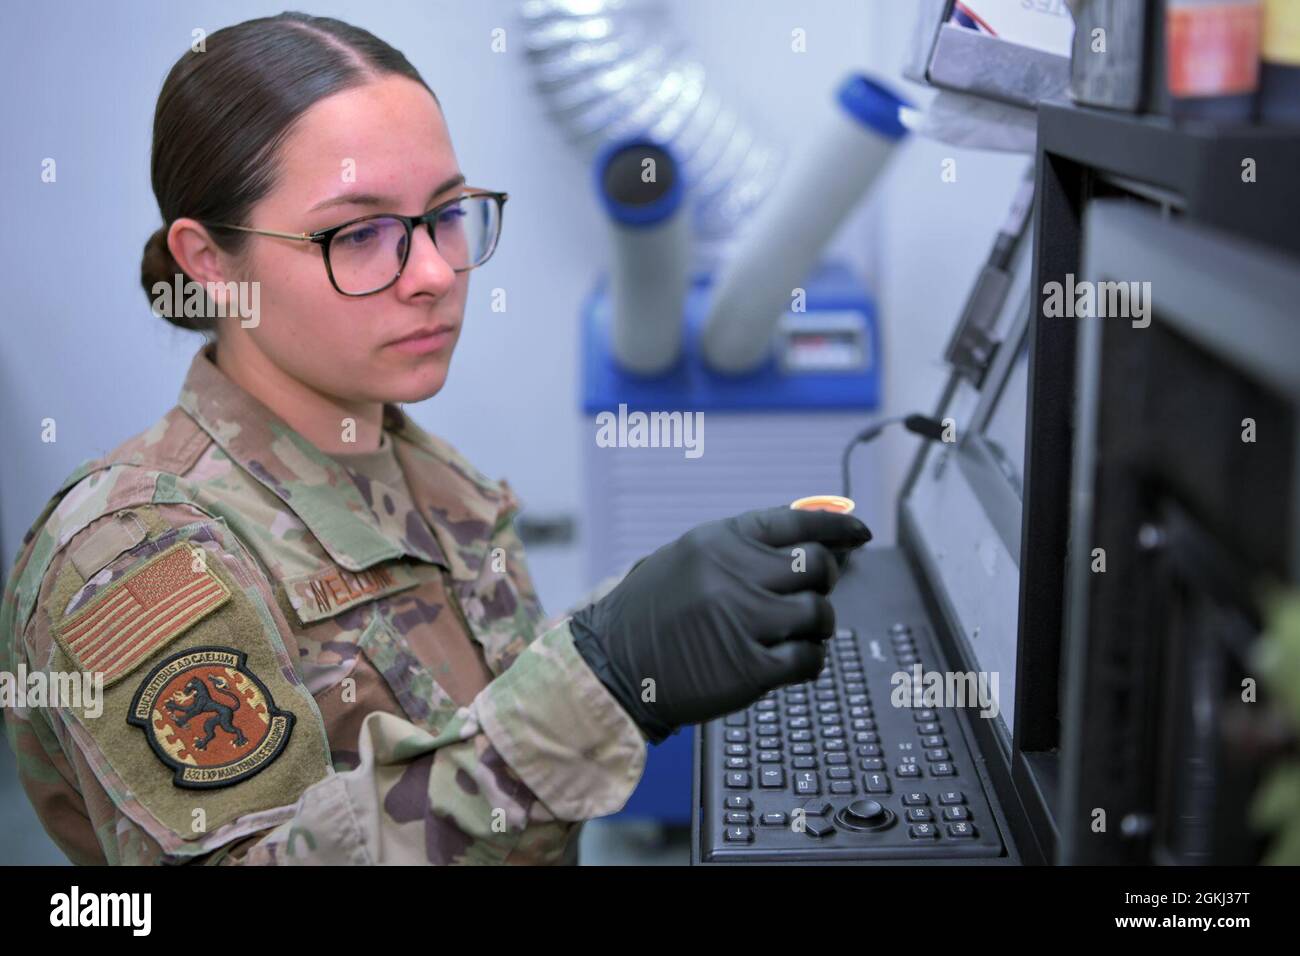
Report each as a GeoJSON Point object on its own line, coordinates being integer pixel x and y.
{"type": "Point", "coordinates": [159, 265]}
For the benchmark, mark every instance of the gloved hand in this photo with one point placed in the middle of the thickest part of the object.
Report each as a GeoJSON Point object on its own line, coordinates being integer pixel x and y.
{"type": "Point", "coordinates": [718, 617]}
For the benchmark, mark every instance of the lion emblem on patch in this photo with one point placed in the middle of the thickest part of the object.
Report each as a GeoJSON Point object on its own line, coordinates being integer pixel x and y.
{"type": "Point", "coordinates": [209, 718]}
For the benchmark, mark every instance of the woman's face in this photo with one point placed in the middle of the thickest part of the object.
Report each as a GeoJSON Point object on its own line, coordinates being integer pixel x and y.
{"type": "Point", "coordinates": [381, 147]}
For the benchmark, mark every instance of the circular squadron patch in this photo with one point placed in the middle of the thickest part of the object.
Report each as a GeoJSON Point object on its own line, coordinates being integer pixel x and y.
{"type": "Point", "coordinates": [209, 718]}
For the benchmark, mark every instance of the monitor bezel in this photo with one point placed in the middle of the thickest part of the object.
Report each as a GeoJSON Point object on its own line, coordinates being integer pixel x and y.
{"type": "Point", "coordinates": [1002, 501]}
{"type": "Point", "coordinates": [1244, 311]}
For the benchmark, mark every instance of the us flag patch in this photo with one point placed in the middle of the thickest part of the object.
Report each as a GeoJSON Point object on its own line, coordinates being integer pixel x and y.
{"type": "Point", "coordinates": [142, 612]}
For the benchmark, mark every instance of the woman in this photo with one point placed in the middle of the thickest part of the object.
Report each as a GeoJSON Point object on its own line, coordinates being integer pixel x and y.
{"type": "Point", "coordinates": [313, 622]}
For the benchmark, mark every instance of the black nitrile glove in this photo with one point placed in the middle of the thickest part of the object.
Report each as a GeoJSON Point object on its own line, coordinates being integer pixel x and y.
{"type": "Point", "coordinates": [718, 617]}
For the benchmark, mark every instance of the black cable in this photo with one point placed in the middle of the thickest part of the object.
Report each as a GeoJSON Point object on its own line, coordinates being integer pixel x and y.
{"type": "Point", "coordinates": [921, 425]}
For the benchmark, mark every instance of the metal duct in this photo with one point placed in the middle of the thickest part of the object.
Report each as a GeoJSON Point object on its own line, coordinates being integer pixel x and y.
{"type": "Point", "coordinates": [609, 70]}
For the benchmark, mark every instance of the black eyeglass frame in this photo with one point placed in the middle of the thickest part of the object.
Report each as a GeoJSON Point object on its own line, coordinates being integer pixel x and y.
{"type": "Point", "coordinates": [323, 237]}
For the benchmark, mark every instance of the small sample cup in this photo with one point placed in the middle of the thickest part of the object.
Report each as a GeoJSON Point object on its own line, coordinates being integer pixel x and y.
{"type": "Point", "coordinates": [836, 503]}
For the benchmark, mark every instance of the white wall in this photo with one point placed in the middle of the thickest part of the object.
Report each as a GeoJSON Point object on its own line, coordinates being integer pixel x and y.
{"type": "Point", "coordinates": [80, 345]}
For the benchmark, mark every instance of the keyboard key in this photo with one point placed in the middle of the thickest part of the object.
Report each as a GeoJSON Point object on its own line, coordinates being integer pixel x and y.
{"type": "Point", "coordinates": [739, 818]}
{"type": "Point", "coordinates": [872, 763]}
{"type": "Point", "coordinates": [834, 759]}
{"type": "Point", "coordinates": [923, 715]}
{"type": "Point", "coordinates": [737, 750]}
{"type": "Point", "coordinates": [832, 732]}
{"type": "Point", "coordinates": [817, 826]}
{"type": "Point", "coordinates": [933, 741]}
{"type": "Point", "coordinates": [773, 819]}
{"type": "Point", "coordinates": [956, 813]}
{"type": "Point", "coordinates": [842, 787]}
{"type": "Point", "coordinates": [920, 815]}
{"type": "Point", "coordinates": [938, 753]}
{"type": "Point", "coordinates": [804, 763]}
{"type": "Point", "coordinates": [916, 798]}
{"type": "Point", "coordinates": [900, 628]}
{"type": "Point", "coordinates": [870, 750]}
{"type": "Point", "coordinates": [738, 780]}
{"type": "Point", "coordinates": [801, 750]}
{"type": "Point", "coordinates": [740, 719]}
{"type": "Point", "coordinates": [834, 745]}
{"type": "Point", "coordinates": [807, 783]}
{"type": "Point", "coordinates": [799, 736]}
{"type": "Point", "coordinates": [769, 756]}
{"type": "Point", "coordinates": [740, 835]}
{"type": "Point", "coordinates": [942, 769]}
{"type": "Point", "coordinates": [739, 803]}
{"type": "Point", "coordinates": [737, 763]}
{"type": "Point", "coordinates": [875, 783]}
{"type": "Point", "coordinates": [840, 773]}
{"type": "Point", "coordinates": [817, 807]}
{"type": "Point", "coordinates": [922, 831]}
{"type": "Point", "coordinates": [929, 728]}
{"type": "Point", "coordinates": [769, 743]}
{"type": "Point", "coordinates": [735, 736]}
{"type": "Point", "coordinates": [907, 770]}
{"type": "Point", "coordinates": [951, 797]}
{"type": "Point", "coordinates": [772, 778]}
{"type": "Point", "coordinates": [964, 831]}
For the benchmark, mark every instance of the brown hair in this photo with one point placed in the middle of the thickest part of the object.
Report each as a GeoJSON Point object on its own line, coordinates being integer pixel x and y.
{"type": "Point", "coordinates": [223, 114]}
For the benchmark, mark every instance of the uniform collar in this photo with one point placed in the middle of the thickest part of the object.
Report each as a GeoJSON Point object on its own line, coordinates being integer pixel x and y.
{"type": "Point", "coordinates": [459, 506]}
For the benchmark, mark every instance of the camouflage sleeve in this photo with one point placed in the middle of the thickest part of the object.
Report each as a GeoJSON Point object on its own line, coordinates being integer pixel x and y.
{"type": "Point", "coordinates": [540, 748]}
{"type": "Point", "coordinates": [125, 626]}
{"type": "Point", "coordinates": [543, 747]}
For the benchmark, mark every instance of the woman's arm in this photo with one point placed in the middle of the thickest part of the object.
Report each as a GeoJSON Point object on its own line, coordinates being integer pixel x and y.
{"type": "Point", "coordinates": [543, 746]}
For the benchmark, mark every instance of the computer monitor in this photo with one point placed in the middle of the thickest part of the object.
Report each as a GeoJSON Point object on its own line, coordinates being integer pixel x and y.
{"type": "Point", "coordinates": [1185, 484]}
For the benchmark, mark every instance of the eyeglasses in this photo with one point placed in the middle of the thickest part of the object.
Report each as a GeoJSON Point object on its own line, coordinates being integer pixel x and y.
{"type": "Point", "coordinates": [367, 255]}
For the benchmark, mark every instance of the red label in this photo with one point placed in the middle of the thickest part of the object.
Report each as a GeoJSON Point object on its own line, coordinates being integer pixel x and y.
{"type": "Point", "coordinates": [1213, 50]}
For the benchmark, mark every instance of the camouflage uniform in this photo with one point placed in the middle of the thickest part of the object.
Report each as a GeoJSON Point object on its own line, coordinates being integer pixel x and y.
{"type": "Point", "coordinates": [294, 670]}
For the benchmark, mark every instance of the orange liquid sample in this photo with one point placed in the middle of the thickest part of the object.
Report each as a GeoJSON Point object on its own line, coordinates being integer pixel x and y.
{"type": "Point", "coordinates": [835, 503]}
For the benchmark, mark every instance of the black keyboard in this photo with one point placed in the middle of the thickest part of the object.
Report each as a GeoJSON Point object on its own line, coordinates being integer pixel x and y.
{"type": "Point", "coordinates": [832, 770]}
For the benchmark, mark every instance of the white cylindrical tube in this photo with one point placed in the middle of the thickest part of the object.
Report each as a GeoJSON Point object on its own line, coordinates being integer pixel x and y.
{"type": "Point", "coordinates": [778, 250]}
{"type": "Point", "coordinates": [640, 184]}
